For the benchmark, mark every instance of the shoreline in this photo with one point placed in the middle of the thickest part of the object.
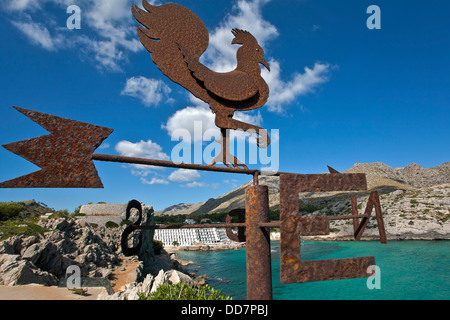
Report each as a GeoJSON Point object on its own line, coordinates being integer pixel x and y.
{"type": "Point", "coordinates": [329, 238]}
{"type": "Point", "coordinates": [206, 247]}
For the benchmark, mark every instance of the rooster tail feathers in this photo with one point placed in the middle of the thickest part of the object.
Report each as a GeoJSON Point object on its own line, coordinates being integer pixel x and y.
{"type": "Point", "coordinates": [147, 6]}
{"type": "Point", "coordinates": [173, 34]}
{"type": "Point", "coordinates": [143, 18]}
{"type": "Point", "coordinates": [242, 37]}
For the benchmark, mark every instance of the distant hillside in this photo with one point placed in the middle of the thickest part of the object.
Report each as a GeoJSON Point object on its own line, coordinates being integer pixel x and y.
{"type": "Point", "coordinates": [412, 175]}
{"type": "Point", "coordinates": [379, 176]}
{"type": "Point", "coordinates": [182, 208]}
{"type": "Point", "coordinates": [31, 208]}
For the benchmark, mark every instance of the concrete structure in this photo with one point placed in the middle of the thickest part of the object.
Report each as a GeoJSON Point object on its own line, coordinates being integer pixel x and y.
{"type": "Point", "coordinates": [100, 214]}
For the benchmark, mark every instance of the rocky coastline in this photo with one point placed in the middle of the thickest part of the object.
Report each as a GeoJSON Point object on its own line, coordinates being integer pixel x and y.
{"type": "Point", "coordinates": [43, 260]}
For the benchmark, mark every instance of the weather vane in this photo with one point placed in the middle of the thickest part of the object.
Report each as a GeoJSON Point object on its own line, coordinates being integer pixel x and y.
{"type": "Point", "coordinates": [176, 38]}
{"type": "Point", "coordinates": [176, 48]}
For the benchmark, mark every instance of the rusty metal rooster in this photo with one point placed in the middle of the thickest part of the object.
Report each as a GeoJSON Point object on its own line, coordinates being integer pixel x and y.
{"type": "Point", "coordinates": [176, 38]}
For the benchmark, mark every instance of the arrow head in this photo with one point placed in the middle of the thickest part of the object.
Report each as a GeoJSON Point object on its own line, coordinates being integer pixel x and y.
{"type": "Point", "coordinates": [64, 155]}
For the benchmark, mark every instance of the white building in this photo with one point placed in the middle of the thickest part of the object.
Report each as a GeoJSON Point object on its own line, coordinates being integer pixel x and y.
{"type": "Point", "coordinates": [187, 237]}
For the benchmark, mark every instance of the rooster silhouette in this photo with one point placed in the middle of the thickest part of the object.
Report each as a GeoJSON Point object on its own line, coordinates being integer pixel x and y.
{"type": "Point", "coordinates": [176, 38]}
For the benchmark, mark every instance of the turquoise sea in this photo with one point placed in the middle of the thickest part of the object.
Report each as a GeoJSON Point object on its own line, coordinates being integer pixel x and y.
{"type": "Point", "coordinates": [410, 270]}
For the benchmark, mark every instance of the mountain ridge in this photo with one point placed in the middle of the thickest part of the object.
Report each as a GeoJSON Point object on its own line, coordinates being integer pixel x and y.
{"type": "Point", "coordinates": [380, 176]}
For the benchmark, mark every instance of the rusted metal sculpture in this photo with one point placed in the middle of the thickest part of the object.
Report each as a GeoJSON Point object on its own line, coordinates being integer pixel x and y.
{"type": "Point", "coordinates": [176, 38]}
{"type": "Point", "coordinates": [65, 155]}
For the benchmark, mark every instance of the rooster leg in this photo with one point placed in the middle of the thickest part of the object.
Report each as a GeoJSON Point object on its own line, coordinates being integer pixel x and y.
{"type": "Point", "coordinates": [227, 122]}
{"type": "Point", "coordinates": [224, 155]}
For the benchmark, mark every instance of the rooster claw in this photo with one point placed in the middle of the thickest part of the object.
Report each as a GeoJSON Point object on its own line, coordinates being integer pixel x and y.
{"type": "Point", "coordinates": [228, 160]}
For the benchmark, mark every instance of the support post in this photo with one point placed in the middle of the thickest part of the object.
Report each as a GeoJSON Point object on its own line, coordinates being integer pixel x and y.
{"type": "Point", "coordinates": [355, 213]}
{"type": "Point", "coordinates": [259, 270]}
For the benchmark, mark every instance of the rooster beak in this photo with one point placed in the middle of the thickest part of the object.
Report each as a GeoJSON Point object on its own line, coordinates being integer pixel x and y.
{"type": "Point", "coordinates": [265, 64]}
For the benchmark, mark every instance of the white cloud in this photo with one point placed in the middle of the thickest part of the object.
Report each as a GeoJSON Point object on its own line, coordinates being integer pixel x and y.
{"type": "Point", "coordinates": [154, 181]}
{"type": "Point", "coordinates": [112, 21]}
{"type": "Point", "coordinates": [19, 5]}
{"type": "Point", "coordinates": [147, 150]}
{"type": "Point", "coordinates": [38, 34]}
{"type": "Point", "coordinates": [184, 175]}
{"type": "Point", "coordinates": [196, 184]}
{"type": "Point", "coordinates": [150, 91]}
{"type": "Point", "coordinates": [143, 149]}
{"type": "Point", "coordinates": [114, 31]}
{"type": "Point", "coordinates": [283, 93]}
{"type": "Point", "coordinates": [188, 118]}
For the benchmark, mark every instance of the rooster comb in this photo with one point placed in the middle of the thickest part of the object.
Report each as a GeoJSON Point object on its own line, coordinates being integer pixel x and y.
{"type": "Point", "coordinates": [242, 37]}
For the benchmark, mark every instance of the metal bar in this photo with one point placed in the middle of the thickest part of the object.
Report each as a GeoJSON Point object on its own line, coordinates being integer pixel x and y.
{"type": "Point", "coordinates": [362, 226]}
{"type": "Point", "coordinates": [255, 178]}
{"type": "Point", "coordinates": [170, 164]}
{"type": "Point", "coordinates": [379, 216]}
{"type": "Point", "coordinates": [191, 226]}
{"type": "Point", "coordinates": [355, 213]}
{"type": "Point", "coordinates": [240, 236]}
{"type": "Point", "coordinates": [271, 224]}
{"type": "Point", "coordinates": [331, 269]}
{"type": "Point", "coordinates": [326, 182]}
{"type": "Point", "coordinates": [309, 182]}
{"type": "Point", "coordinates": [259, 270]}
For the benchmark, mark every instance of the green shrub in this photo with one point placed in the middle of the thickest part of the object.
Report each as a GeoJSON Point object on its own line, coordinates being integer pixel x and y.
{"type": "Point", "coordinates": [111, 225]}
{"type": "Point", "coordinates": [182, 291]}
{"type": "Point", "coordinates": [10, 210]}
{"type": "Point", "coordinates": [157, 246]}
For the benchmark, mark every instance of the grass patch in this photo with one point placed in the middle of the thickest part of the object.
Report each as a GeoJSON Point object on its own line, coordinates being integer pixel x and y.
{"type": "Point", "coordinates": [18, 227]}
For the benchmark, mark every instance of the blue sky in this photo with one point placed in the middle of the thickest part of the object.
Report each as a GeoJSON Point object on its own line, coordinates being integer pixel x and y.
{"type": "Point", "coordinates": [340, 93]}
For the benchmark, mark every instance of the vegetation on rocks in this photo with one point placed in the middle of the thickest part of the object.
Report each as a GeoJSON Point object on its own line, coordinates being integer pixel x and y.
{"type": "Point", "coordinates": [182, 291]}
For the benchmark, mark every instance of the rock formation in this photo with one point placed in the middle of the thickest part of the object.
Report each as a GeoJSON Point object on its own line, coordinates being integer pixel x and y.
{"type": "Point", "coordinates": [45, 258]}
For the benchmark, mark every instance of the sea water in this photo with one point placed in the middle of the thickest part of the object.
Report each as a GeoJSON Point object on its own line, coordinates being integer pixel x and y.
{"type": "Point", "coordinates": [409, 270]}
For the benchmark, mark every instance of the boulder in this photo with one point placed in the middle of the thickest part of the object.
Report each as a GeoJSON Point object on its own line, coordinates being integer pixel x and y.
{"type": "Point", "coordinates": [175, 277]}
{"type": "Point", "coordinates": [159, 280]}
{"type": "Point", "coordinates": [45, 255]}
{"type": "Point", "coordinates": [6, 248]}
{"type": "Point", "coordinates": [15, 271]}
